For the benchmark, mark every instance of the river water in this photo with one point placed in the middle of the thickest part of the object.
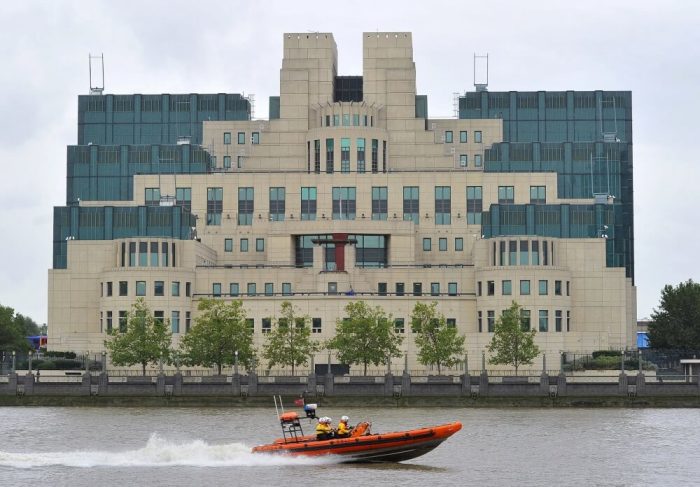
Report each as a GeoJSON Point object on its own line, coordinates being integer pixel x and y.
{"type": "Point", "coordinates": [497, 447]}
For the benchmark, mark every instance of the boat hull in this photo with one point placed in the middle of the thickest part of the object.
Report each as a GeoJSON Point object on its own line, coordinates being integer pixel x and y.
{"type": "Point", "coordinates": [385, 447]}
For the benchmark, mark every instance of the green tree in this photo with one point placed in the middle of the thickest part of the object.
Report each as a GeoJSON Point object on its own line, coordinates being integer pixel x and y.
{"type": "Point", "coordinates": [676, 324]}
{"type": "Point", "coordinates": [511, 344]}
{"type": "Point", "coordinates": [145, 340]}
{"type": "Point", "coordinates": [366, 336]}
{"type": "Point", "coordinates": [12, 331]}
{"type": "Point", "coordinates": [28, 326]}
{"type": "Point", "coordinates": [289, 343]}
{"type": "Point", "coordinates": [218, 333]}
{"type": "Point", "coordinates": [438, 344]}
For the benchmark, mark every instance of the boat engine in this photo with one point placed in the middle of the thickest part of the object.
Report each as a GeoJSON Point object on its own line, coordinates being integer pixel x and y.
{"type": "Point", "coordinates": [310, 410]}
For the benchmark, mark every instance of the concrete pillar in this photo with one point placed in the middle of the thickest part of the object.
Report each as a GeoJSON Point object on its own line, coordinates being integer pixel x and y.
{"type": "Point", "coordinates": [406, 384]}
{"type": "Point", "coordinates": [622, 384]}
{"type": "Point", "coordinates": [388, 384]}
{"type": "Point", "coordinates": [86, 383]}
{"type": "Point", "coordinates": [561, 384]}
{"type": "Point", "coordinates": [311, 384]}
{"type": "Point", "coordinates": [177, 384]}
{"type": "Point", "coordinates": [544, 384]}
{"type": "Point", "coordinates": [12, 381]}
{"type": "Point", "coordinates": [641, 383]}
{"type": "Point", "coordinates": [466, 384]}
{"type": "Point", "coordinates": [252, 383]}
{"type": "Point", "coordinates": [236, 384]}
{"type": "Point", "coordinates": [350, 257]}
{"type": "Point", "coordinates": [160, 385]}
{"type": "Point", "coordinates": [103, 382]}
{"type": "Point", "coordinates": [318, 258]}
{"type": "Point", "coordinates": [28, 381]}
{"type": "Point", "coordinates": [484, 383]}
{"type": "Point", "coordinates": [328, 384]}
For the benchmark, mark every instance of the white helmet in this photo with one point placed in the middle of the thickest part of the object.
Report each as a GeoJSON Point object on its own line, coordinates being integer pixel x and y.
{"type": "Point", "coordinates": [344, 419]}
{"type": "Point", "coordinates": [328, 420]}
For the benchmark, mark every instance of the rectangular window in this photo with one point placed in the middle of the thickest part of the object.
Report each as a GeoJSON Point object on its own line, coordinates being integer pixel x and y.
{"type": "Point", "coordinates": [152, 197]}
{"type": "Point", "coordinates": [239, 162]}
{"type": "Point", "coordinates": [316, 325]}
{"type": "Point", "coordinates": [329, 156]}
{"type": "Point", "coordinates": [123, 288]}
{"type": "Point", "coordinates": [544, 320]}
{"type": "Point", "coordinates": [328, 120]}
{"type": "Point", "coordinates": [524, 287]}
{"type": "Point", "coordinates": [317, 156]}
{"type": "Point", "coordinates": [361, 155]}
{"type": "Point", "coordinates": [246, 206]}
{"type": "Point", "coordinates": [308, 203]}
{"type": "Point", "coordinates": [490, 321]}
{"type": "Point", "coordinates": [122, 321]}
{"type": "Point", "coordinates": [524, 253]}
{"type": "Point", "coordinates": [252, 291]}
{"type": "Point", "coordinates": [143, 254]}
{"type": "Point", "coordinates": [451, 323]}
{"type": "Point", "coordinates": [227, 162]}
{"type": "Point", "coordinates": [140, 288]}
{"type": "Point", "coordinates": [383, 155]}
{"type": "Point", "coordinates": [568, 320]}
{"type": "Point", "coordinates": [557, 320]}
{"type": "Point", "coordinates": [286, 288]}
{"type": "Point", "coordinates": [175, 321]}
{"type": "Point", "coordinates": [255, 138]}
{"type": "Point", "coordinates": [525, 319]}
{"type": "Point", "coordinates": [228, 245]}
{"type": "Point", "coordinates": [557, 288]}
{"type": "Point", "coordinates": [269, 289]}
{"type": "Point", "coordinates": [512, 252]}
{"type": "Point", "coordinates": [241, 137]}
{"type": "Point", "coordinates": [154, 254]}
{"type": "Point", "coordinates": [477, 136]}
{"type": "Point", "coordinates": [463, 160]}
{"type": "Point", "coordinates": [478, 321]}
{"type": "Point", "coordinates": [109, 321]}
{"type": "Point", "coordinates": [427, 244]}
{"type": "Point", "coordinates": [345, 155]}
{"type": "Point", "coordinates": [474, 205]}
{"type": "Point", "coordinates": [478, 161]}
{"type": "Point", "coordinates": [215, 205]}
{"type": "Point", "coordinates": [459, 244]}
{"type": "Point", "coordinates": [443, 205]}
{"type": "Point", "coordinates": [381, 288]}
{"type": "Point", "coordinates": [442, 244]}
{"type": "Point", "coordinates": [233, 289]}
{"type": "Point", "coordinates": [375, 155]}
{"type": "Point", "coordinates": [411, 203]}
{"type": "Point", "coordinates": [543, 287]}
{"type": "Point", "coordinates": [260, 245]}
{"type": "Point", "coordinates": [183, 197]}
{"type": "Point", "coordinates": [478, 288]}
{"type": "Point", "coordinates": [452, 288]}
{"type": "Point", "coordinates": [159, 288]}
{"type": "Point", "coordinates": [535, 253]}
{"type": "Point", "coordinates": [448, 137]}
{"type": "Point", "coordinates": [463, 136]}
{"type": "Point", "coordinates": [538, 195]}
{"type": "Point", "coordinates": [506, 195]}
{"type": "Point", "coordinates": [266, 325]}
{"type": "Point", "coordinates": [344, 203]}
{"type": "Point", "coordinates": [491, 288]}
{"type": "Point", "coordinates": [417, 289]}
{"type": "Point", "coordinates": [216, 289]}
{"type": "Point", "coordinates": [250, 322]}
{"type": "Point", "coordinates": [227, 138]}
{"type": "Point", "coordinates": [175, 288]}
{"type": "Point", "coordinates": [243, 245]}
{"type": "Point", "coordinates": [336, 120]}
{"type": "Point", "coordinates": [109, 288]}
{"type": "Point", "coordinates": [399, 325]}
{"type": "Point", "coordinates": [379, 202]}
{"type": "Point", "coordinates": [333, 288]}
{"type": "Point", "coordinates": [188, 289]}
{"type": "Point", "coordinates": [507, 287]}
{"type": "Point", "coordinates": [356, 120]}
{"type": "Point", "coordinates": [435, 289]}
{"type": "Point", "coordinates": [400, 288]}
{"type": "Point", "coordinates": [188, 321]}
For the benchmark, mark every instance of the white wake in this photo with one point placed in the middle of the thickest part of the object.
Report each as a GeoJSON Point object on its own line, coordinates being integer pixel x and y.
{"type": "Point", "coordinates": [158, 452]}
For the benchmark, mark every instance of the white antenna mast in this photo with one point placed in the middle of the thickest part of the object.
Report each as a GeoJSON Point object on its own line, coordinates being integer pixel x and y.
{"type": "Point", "coordinates": [97, 82]}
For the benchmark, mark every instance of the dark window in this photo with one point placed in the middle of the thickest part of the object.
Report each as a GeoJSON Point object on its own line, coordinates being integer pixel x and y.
{"type": "Point", "coordinates": [417, 289]}
{"type": "Point", "coordinates": [159, 288]}
{"type": "Point", "coordinates": [317, 156]}
{"type": "Point", "coordinates": [109, 288]}
{"type": "Point", "coordinates": [344, 204]}
{"type": "Point", "coordinates": [411, 203]}
{"type": "Point", "coordinates": [491, 288]}
{"type": "Point", "coordinates": [375, 156]}
{"type": "Point", "coordinates": [506, 195]}
{"type": "Point", "coordinates": [140, 288]}
{"type": "Point", "coordinates": [329, 156]}
{"type": "Point", "coordinates": [400, 288]}
{"type": "Point", "coordinates": [123, 288]}
{"type": "Point", "coordinates": [308, 203]}
{"type": "Point", "coordinates": [557, 288]}
{"type": "Point", "coordinates": [360, 155]}
{"type": "Point", "coordinates": [316, 325]}
{"type": "Point", "coordinates": [188, 289]}
{"type": "Point", "coordinates": [122, 321]}
{"type": "Point", "coordinates": [277, 204]}
{"type": "Point", "coordinates": [557, 320]}
{"type": "Point", "coordinates": [215, 205]}
{"type": "Point", "coordinates": [443, 205]}
{"type": "Point", "coordinates": [246, 206]}
{"type": "Point", "coordinates": [379, 202]}
{"type": "Point", "coordinates": [381, 288]}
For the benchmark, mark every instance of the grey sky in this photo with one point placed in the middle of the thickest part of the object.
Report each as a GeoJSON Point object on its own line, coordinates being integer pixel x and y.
{"type": "Point", "coordinates": [650, 48]}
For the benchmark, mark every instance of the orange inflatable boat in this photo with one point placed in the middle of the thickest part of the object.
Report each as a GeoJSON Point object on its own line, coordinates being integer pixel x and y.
{"type": "Point", "coordinates": [362, 445]}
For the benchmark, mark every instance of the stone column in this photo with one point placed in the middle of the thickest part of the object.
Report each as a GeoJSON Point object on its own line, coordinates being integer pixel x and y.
{"type": "Point", "coordinates": [252, 383]}
{"type": "Point", "coordinates": [86, 383]}
{"type": "Point", "coordinates": [561, 384]}
{"type": "Point", "coordinates": [328, 384]}
{"type": "Point", "coordinates": [160, 385]}
{"type": "Point", "coordinates": [103, 382]}
{"type": "Point", "coordinates": [406, 383]}
{"type": "Point", "coordinates": [641, 383]}
{"type": "Point", "coordinates": [177, 384]}
{"type": "Point", "coordinates": [28, 383]}
{"type": "Point", "coordinates": [544, 378]}
{"type": "Point", "coordinates": [388, 384]}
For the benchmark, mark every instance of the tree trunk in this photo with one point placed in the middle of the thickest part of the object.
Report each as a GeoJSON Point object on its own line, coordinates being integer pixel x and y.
{"type": "Point", "coordinates": [219, 367]}
{"type": "Point", "coordinates": [292, 367]}
{"type": "Point", "coordinates": [143, 368]}
{"type": "Point", "coordinates": [365, 372]}
{"type": "Point", "coordinates": [439, 372]}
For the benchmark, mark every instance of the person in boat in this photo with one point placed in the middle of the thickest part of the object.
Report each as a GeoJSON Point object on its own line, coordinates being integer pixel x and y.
{"type": "Point", "coordinates": [323, 429]}
{"type": "Point", "coordinates": [343, 430]}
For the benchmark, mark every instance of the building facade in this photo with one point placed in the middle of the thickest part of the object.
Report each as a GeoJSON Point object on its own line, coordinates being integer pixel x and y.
{"type": "Point", "coordinates": [351, 191]}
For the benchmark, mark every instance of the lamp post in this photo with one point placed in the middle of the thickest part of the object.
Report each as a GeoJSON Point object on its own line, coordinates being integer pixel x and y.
{"type": "Point", "coordinates": [104, 361]}
{"type": "Point", "coordinates": [235, 362]}
{"type": "Point", "coordinates": [87, 361]}
{"type": "Point", "coordinates": [30, 361]}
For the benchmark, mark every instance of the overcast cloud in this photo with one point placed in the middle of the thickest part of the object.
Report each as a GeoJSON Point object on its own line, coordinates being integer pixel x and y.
{"type": "Point", "coordinates": [650, 48]}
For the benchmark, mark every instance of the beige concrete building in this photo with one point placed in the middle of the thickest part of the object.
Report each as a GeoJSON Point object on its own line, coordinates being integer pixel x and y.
{"type": "Point", "coordinates": [349, 191]}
